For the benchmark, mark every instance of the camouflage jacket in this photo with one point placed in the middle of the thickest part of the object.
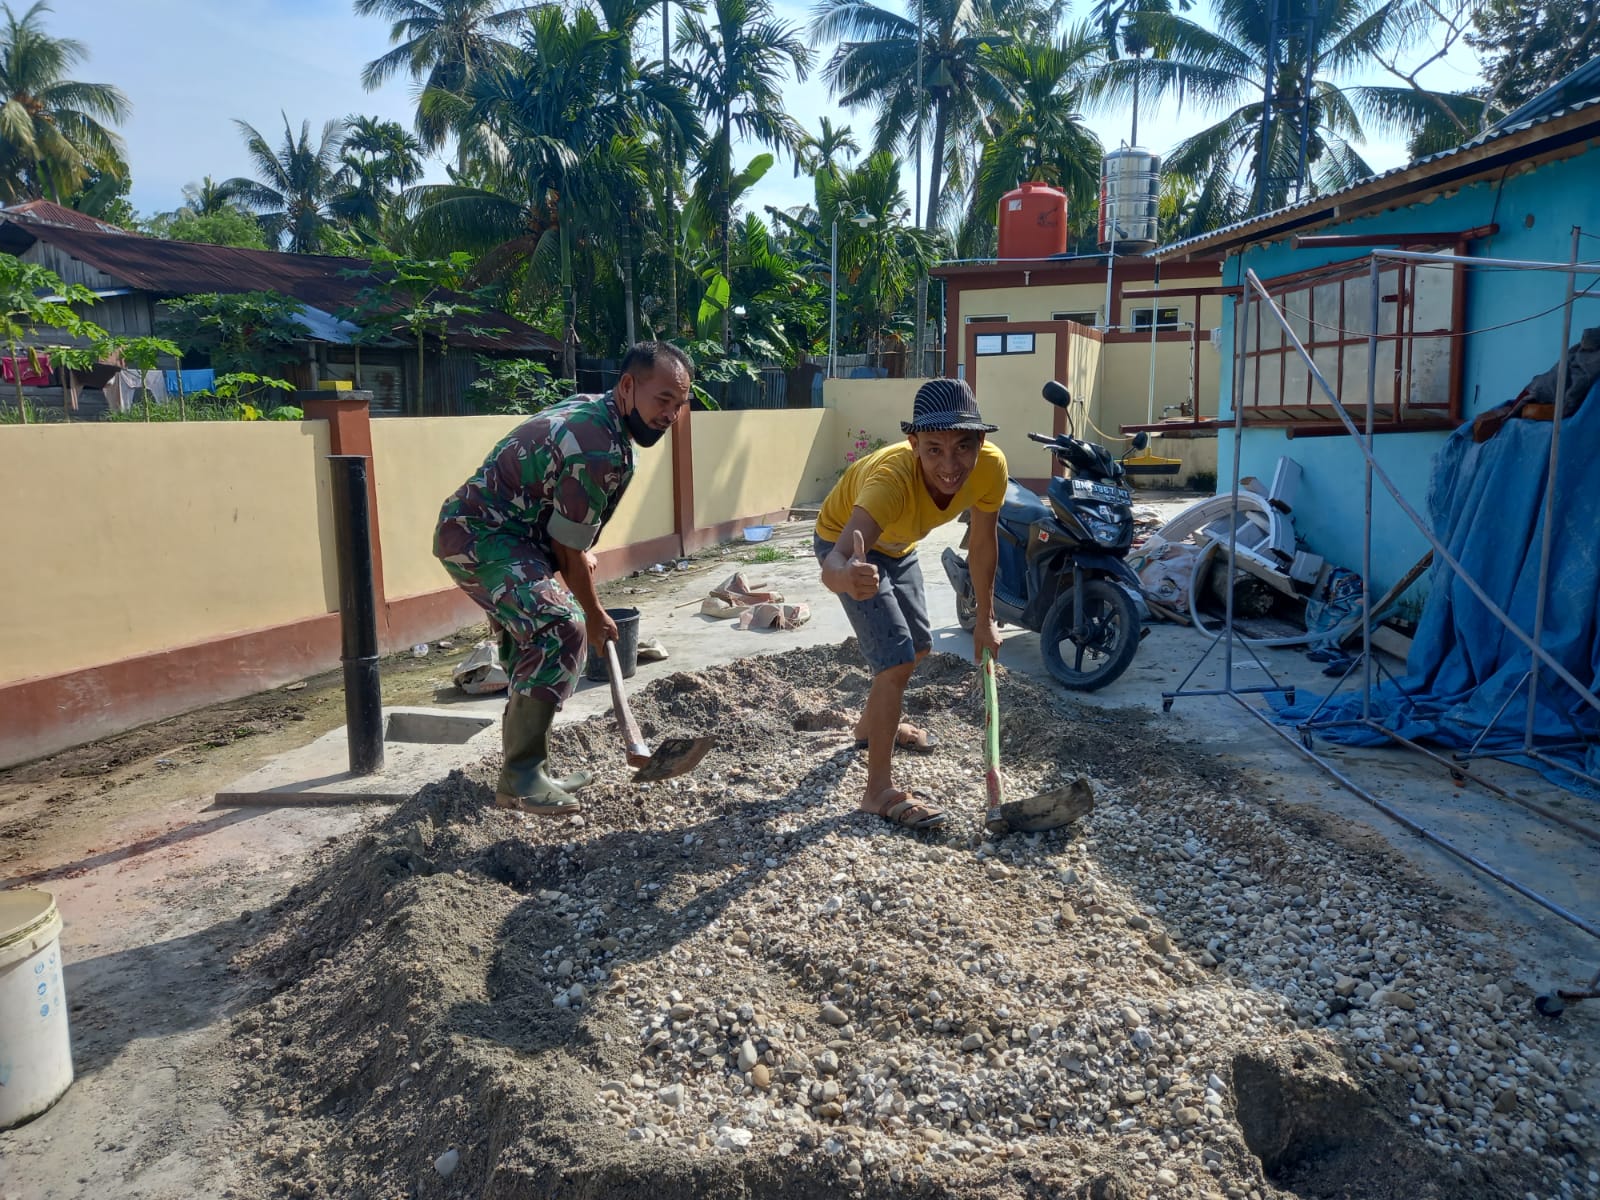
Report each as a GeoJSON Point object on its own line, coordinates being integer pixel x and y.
{"type": "Point", "coordinates": [557, 477]}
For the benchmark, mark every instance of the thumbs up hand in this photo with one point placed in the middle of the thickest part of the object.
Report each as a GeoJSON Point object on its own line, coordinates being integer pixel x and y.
{"type": "Point", "coordinates": [862, 575]}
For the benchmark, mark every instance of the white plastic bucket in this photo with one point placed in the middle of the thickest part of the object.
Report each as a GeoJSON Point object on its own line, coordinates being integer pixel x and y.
{"type": "Point", "coordinates": [35, 1050]}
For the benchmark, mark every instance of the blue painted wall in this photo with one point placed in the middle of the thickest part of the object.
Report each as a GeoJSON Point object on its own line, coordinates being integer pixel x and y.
{"type": "Point", "coordinates": [1536, 212]}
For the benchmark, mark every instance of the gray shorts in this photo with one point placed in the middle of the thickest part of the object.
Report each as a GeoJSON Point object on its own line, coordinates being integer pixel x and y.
{"type": "Point", "coordinates": [892, 627]}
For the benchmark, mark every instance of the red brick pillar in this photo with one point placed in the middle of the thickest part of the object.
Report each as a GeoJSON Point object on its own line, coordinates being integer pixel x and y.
{"type": "Point", "coordinates": [349, 421]}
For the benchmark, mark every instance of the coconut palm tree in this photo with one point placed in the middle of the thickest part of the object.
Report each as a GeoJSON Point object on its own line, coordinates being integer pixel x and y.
{"type": "Point", "coordinates": [560, 147]}
{"type": "Point", "coordinates": [875, 66]}
{"type": "Point", "coordinates": [819, 153]}
{"type": "Point", "coordinates": [378, 159]}
{"type": "Point", "coordinates": [53, 130]}
{"type": "Point", "coordinates": [297, 184]}
{"type": "Point", "coordinates": [1038, 132]}
{"type": "Point", "coordinates": [206, 198]}
{"type": "Point", "coordinates": [1223, 69]}
{"type": "Point", "coordinates": [879, 261]}
{"type": "Point", "coordinates": [1124, 37]}
{"type": "Point", "coordinates": [644, 91]}
{"type": "Point", "coordinates": [441, 44]}
{"type": "Point", "coordinates": [740, 56]}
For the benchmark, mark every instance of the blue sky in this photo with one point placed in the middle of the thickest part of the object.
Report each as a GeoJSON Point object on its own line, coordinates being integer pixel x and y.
{"type": "Point", "coordinates": [190, 67]}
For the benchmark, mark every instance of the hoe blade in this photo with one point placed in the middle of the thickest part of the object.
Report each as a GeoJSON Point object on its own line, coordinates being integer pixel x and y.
{"type": "Point", "coordinates": [1047, 810]}
{"type": "Point", "coordinates": [674, 757]}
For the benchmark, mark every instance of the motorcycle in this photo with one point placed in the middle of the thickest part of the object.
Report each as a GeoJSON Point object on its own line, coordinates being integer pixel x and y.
{"type": "Point", "coordinates": [1061, 571]}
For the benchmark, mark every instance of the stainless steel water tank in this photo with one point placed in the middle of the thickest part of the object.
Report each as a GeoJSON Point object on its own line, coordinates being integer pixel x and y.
{"type": "Point", "coordinates": [1130, 194]}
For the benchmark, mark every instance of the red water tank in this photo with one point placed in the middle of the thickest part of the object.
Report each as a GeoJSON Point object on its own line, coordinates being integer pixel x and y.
{"type": "Point", "coordinates": [1033, 222]}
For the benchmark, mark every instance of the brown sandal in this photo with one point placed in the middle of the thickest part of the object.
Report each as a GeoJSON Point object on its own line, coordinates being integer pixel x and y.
{"type": "Point", "coordinates": [908, 737]}
{"type": "Point", "coordinates": [918, 810]}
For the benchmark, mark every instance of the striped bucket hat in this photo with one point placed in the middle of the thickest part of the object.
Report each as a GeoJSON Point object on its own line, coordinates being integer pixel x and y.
{"type": "Point", "coordinates": [945, 404]}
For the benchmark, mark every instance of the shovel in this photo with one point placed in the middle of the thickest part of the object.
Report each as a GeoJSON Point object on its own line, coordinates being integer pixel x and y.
{"type": "Point", "coordinates": [1047, 810]}
{"type": "Point", "coordinates": [674, 757]}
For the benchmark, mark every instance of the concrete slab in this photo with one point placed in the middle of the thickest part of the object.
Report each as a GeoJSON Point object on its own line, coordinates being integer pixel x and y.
{"type": "Point", "coordinates": [420, 746]}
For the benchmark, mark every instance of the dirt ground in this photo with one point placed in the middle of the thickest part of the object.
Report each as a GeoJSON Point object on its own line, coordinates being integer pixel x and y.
{"type": "Point", "coordinates": [738, 986]}
{"type": "Point", "coordinates": [128, 794]}
{"type": "Point", "coordinates": [735, 985]}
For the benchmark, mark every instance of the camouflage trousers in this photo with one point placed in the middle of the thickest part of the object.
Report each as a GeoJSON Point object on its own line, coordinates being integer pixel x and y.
{"type": "Point", "coordinates": [538, 621]}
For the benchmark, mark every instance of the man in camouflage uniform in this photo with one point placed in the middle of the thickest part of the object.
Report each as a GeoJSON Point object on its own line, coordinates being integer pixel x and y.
{"type": "Point", "coordinates": [531, 513]}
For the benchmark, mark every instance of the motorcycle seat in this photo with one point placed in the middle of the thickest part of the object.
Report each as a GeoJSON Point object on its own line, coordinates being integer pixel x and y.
{"type": "Point", "coordinates": [1022, 507]}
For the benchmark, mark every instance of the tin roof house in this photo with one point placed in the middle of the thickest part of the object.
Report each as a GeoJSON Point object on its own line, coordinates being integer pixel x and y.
{"type": "Point", "coordinates": [1455, 340]}
{"type": "Point", "coordinates": [131, 275]}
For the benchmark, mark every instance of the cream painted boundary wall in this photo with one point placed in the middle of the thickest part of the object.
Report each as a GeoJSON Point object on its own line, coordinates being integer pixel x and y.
{"type": "Point", "coordinates": [128, 538]}
{"type": "Point", "coordinates": [419, 461]}
{"type": "Point", "coordinates": [760, 461]}
{"type": "Point", "coordinates": [647, 511]}
{"type": "Point", "coordinates": [876, 406]}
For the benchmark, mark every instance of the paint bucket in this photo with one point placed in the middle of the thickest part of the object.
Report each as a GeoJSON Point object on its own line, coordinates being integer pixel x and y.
{"type": "Point", "coordinates": [627, 620]}
{"type": "Point", "coordinates": [35, 1051]}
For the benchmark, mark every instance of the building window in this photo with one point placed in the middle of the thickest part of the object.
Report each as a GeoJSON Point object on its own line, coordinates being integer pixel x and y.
{"type": "Point", "coordinates": [1165, 318]}
{"type": "Point", "coordinates": [986, 344]}
{"type": "Point", "coordinates": [1089, 317]}
{"type": "Point", "coordinates": [995, 317]}
{"type": "Point", "coordinates": [1330, 311]}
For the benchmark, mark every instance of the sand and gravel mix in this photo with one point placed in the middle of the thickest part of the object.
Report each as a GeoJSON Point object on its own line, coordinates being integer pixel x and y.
{"type": "Point", "coordinates": [736, 985]}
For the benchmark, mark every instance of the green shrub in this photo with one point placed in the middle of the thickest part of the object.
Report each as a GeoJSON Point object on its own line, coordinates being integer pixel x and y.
{"type": "Point", "coordinates": [516, 386]}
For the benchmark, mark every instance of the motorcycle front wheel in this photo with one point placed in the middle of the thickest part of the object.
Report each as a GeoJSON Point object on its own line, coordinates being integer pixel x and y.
{"type": "Point", "coordinates": [1090, 657]}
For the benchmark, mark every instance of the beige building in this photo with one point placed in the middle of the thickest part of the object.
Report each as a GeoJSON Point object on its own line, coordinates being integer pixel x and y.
{"type": "Point", "coordinates": [1015, 323]}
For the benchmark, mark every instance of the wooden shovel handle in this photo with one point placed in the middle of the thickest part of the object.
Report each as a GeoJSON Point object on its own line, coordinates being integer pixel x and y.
{"type": "Point", "coordinates": [632, 739]}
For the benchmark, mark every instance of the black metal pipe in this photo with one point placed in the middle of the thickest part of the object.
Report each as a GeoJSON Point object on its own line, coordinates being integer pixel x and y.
{"type": "Point", "coordinates": [358, 614]}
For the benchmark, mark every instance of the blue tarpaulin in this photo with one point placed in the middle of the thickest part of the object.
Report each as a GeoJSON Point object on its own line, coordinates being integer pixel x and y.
{"type": "Point", "coordinates": [1486, 504]}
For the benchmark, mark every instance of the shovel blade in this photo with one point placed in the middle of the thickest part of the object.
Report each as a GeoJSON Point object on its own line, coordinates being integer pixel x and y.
{"type": "Point", "coordinates": [1048, 810]}
{"type": "Point", "coordinates": [674, 757]}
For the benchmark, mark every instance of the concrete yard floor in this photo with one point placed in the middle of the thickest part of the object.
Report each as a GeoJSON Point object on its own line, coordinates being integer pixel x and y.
{"type": "Point", "coordinates": [159, 888]}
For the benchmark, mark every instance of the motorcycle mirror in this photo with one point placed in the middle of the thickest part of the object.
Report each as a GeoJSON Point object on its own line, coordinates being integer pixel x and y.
{"type": "Point", "coordinates": [1057, 395]}
{"type": "Point", "coordinates": [1141, 440]}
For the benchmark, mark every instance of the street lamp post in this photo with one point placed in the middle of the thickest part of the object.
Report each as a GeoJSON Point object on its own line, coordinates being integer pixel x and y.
{"type": "Point", "coordinates": [833, 304]}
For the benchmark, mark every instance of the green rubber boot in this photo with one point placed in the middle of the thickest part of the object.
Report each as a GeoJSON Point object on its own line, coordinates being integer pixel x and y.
{"type": "Point", "coordinates": [523, 784]}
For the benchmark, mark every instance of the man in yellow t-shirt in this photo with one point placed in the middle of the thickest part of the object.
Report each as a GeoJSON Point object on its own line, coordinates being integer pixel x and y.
{"type": "Point", "coordinates": [866, 540]}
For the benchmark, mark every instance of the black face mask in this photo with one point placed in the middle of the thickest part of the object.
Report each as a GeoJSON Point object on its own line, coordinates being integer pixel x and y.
{"type": "Point", "coordinates": [640, 430]}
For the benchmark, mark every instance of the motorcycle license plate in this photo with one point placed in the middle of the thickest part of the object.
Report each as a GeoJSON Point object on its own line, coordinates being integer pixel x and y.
{"type": "Point", "coordinates": [1101, 491]}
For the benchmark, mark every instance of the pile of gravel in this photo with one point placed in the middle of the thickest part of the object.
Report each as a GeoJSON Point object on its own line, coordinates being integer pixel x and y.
{"type": "Point", "coordinates": [734, 984]}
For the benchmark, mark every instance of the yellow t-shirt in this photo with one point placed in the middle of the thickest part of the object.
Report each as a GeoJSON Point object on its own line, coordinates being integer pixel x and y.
{"type": "Point", "coordinates": [888, 484]}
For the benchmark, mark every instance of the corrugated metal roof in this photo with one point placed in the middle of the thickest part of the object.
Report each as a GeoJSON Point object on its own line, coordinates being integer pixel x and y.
{"type": "Point", "coordinates": [1339, 203]}
{"type": "Point", "coordinates": [167, 268]}
{"type": "Point", "coordinates": [1582, 84]}
{"type": "Point", "coordinates": [43, 212]}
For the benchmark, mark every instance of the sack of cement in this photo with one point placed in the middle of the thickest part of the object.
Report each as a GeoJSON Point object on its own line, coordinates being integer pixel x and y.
{"type": "Point", "coordinates": [480, 673]}
{"type": "Point", "coordinates": [1164, 569]}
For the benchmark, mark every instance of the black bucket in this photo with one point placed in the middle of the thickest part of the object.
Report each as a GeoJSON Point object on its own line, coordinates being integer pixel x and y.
{"type": "Point", "coordinates": [627, 620]}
